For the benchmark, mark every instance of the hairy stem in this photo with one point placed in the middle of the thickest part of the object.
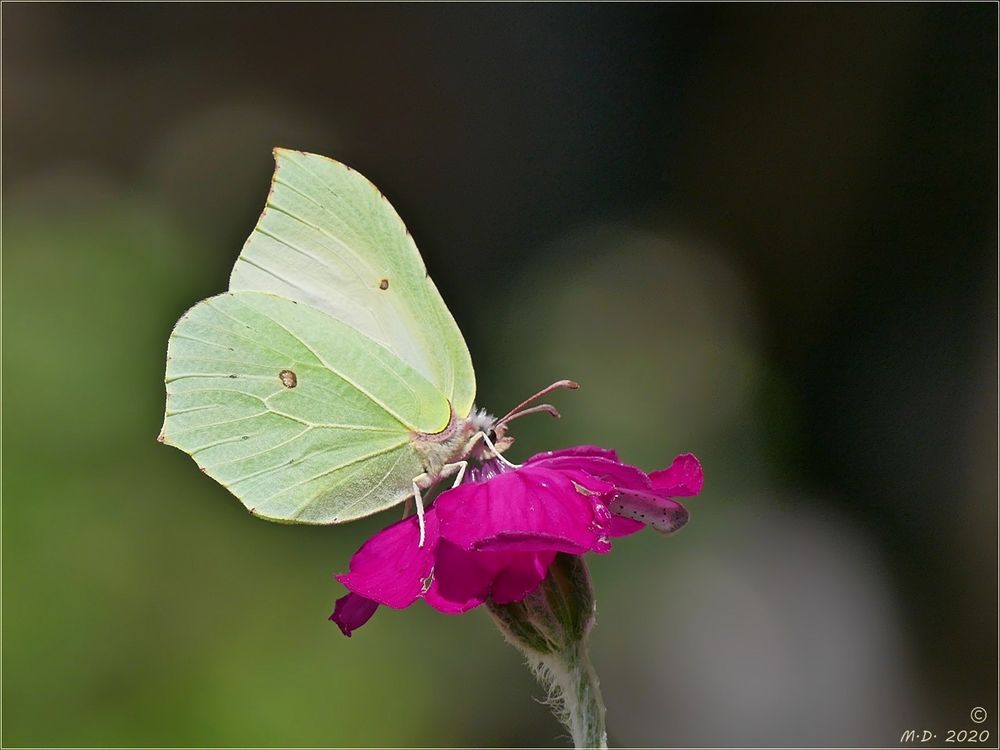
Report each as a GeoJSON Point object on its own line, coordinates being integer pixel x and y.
{"type": "Point", "coordinates": [551, 627]}
{"type": "Point", "coordinates": [574, 694]}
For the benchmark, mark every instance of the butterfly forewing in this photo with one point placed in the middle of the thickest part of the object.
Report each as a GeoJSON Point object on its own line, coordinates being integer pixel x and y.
{"type": "Point", "coordinates": [329, 239]}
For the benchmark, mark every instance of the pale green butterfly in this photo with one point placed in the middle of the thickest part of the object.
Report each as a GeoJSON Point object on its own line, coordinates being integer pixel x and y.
{"type": "Point", "coordinates": [330, 382]}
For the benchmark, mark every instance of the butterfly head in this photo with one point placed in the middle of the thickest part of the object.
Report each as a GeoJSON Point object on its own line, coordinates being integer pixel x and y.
{"type": "Point", "coordinates": [495, 430]}
{"type": "Point", "coordinates": [496, 440]}
{"type": "Point", "coordinates": [480, 436]}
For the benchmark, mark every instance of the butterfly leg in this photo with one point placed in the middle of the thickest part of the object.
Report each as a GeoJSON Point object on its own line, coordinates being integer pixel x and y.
{"type": "Point", "coordinates": [458, 469]}
{"type": "Point", "coordinates": [463, 465]}
{"type": "Point", "coordinates": [420, 511]}
{"type": "Point", "coordinates": [498, 454]}
{"type": "Point", "coordinates": [424, 480]}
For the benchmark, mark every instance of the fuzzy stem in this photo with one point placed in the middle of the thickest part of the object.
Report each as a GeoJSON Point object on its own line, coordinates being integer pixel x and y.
{"type": "Point", "coordinates": [574, 694]}
{"type": "Point", "coordinates": [551, 627]}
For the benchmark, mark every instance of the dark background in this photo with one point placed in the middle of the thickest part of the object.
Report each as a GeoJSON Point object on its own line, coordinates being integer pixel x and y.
{"type": "Point", "coordinates": [766, 234]}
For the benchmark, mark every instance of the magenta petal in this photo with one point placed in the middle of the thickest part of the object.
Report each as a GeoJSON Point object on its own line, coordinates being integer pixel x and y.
{"type": "Point", "coordinates": [531, 510]}
{"type": "Point", "coordinates": [621, 475]}
{"type": "Point", "coordinates": [621, 526]}
{"type": "Point", "coordinates": [462, 579]}
{"type": "Point", "coordinates": [591, 451]}
{"type": "Point", "coordinates": [351, 612]}
{"type": "Point", "coordinates": [390, 568]}
{"type": "Point", "coordinates": [465, 579]}
{"type": "Point", "coordinates": [521, 575]}
{"type": "Point", "coordinates": [683, 478]}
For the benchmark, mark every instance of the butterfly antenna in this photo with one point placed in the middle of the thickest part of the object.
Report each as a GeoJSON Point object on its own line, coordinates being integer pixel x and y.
{"type": "Point", "coordinates": [520, 411]}
{"type": "Point", "coordinates": [547, 408]}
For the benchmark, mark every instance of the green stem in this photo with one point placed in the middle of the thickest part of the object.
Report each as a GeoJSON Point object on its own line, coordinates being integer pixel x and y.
{"type": "Point", "coordinates": [574, 687]}
{"type": "Point", "coordinates": [551, 627]}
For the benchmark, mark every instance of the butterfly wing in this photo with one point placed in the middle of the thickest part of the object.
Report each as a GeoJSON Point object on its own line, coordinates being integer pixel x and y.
{"type": "Point", "coordinates": [298, 414]}
{"type": "Point", "coordinates": [328, 238]}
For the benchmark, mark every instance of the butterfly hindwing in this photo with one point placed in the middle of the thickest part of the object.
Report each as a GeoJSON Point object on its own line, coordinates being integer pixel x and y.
{"type": "Point", "coordinates": [298, 414]}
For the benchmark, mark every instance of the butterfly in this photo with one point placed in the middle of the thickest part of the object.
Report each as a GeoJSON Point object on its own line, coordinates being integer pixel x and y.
{"type": "Point", "coordinates": [330, 381]}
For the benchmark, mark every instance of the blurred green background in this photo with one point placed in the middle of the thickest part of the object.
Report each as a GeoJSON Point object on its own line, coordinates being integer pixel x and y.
{"type": "Point", "coordinates": [765, 234]}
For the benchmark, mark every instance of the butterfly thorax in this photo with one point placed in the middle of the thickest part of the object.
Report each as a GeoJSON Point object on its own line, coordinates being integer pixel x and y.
{"type": "Point", "coordinates": [461, 440]}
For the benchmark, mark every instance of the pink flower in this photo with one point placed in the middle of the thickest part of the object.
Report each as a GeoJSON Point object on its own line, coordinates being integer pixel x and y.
{"type": "Point", "coordinates": [496, 534]}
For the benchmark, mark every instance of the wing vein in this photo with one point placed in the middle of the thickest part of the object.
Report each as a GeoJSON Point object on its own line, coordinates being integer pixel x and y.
{"type": "Point", "coordinates": [270, 272]}
{"type": "Point", "coordinates": [323, 232]}
{"type": "Point", "coordinates": [341, 375]}
{"type": "Point", "coordinates": [330, 470]}
{"type": "Point", "coordinates": [209, 425]}
{"type": "Point", "coordinates": [375, 486]}
{"type": "Point", "coordinates": [252, 474]}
